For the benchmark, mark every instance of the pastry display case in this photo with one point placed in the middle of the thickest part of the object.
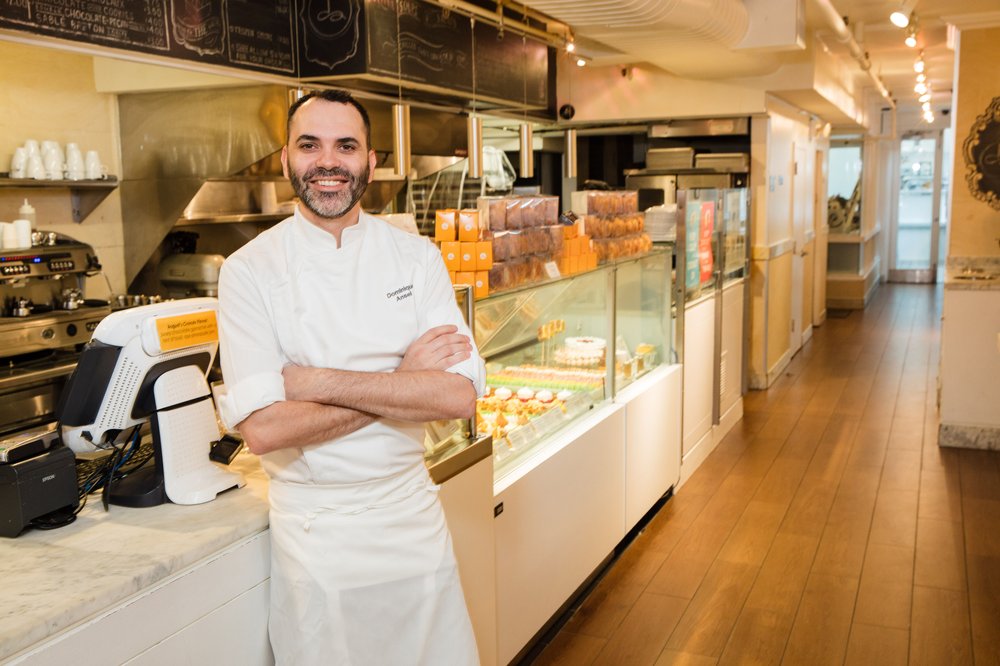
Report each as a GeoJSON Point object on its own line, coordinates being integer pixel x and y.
{"type": "Point", "coordinates": [555, 351]}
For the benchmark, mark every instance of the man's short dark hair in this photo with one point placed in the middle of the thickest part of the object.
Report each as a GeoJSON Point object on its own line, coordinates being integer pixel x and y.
{"type": "Point", "coordinates": [338, 96]}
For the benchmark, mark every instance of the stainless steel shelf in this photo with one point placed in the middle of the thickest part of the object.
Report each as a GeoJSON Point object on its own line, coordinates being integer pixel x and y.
{"type": "Point", "coordinates": [85, 195]}
{"type": "Point", "coordinates": [234, 218]}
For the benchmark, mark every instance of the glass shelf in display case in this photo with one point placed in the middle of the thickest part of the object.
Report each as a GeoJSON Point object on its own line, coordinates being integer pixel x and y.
{"type": "Point", "coordinates": [547, 353]}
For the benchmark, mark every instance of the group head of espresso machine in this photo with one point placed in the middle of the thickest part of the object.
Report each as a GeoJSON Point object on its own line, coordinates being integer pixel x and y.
{"type": "Point", "coordinates": [45, 318]}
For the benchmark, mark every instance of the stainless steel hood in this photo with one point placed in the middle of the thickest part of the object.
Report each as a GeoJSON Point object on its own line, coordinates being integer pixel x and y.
{"type": "Point", "coordinates": [214, 153]}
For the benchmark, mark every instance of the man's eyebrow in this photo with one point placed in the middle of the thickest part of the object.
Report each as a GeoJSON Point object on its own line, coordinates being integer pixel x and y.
{"type": "Point", "coordinates": [306, 137]}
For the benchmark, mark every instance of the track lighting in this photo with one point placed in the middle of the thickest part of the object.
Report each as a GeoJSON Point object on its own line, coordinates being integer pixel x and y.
{"type": "Point", "coordinates": [920, 88]}
{"type": "Point", "coordinates": [926, 97]}
{"type": "Point", "coordinates": [570, 47]}
{"type": "Point", "coordinates": [903, 15]}
{"type": "Point", "coordinates": [921, 77]}
{"type": "Point", "coordinates": [918, 66]}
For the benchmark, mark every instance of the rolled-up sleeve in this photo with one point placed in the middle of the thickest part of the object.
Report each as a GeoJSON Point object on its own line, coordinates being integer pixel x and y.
{"type": "Point", "coordinates": [439, 308]}
{"type": "Point", "coordinates": [251, 356]}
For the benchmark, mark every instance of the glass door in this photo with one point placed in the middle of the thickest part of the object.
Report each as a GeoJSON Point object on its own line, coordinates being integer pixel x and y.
{"type": "Point", "coordinates": [915, 239]}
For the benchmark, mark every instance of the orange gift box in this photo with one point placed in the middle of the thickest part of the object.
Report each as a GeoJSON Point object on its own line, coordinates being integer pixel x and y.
{"type": "Point", "coordinates": [451, 251]}
{"type": "Point", "coordinates": [484, 255]}
{"type": "Point", "coordinates": [444, 225]}
{"type": "Point", "coordinates": [481, 284]}
{"type": "Point", "coordinates": [465, 277]}
{"type": "Point", "coordinates": [468, 225]}
{"type": "Point", "coordinates": [467, 257]}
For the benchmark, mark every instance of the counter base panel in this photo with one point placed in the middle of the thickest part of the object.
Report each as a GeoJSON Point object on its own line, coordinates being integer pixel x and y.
{"type": "Point", "coordinates": [557, 526]}
{"type": "Point", "coordinates": [176, 604]}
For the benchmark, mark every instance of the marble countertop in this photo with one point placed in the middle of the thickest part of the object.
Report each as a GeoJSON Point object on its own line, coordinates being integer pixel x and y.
{"type": "Point", "coordinates": [55, 579]}
{"type": "Point", "coordinates": [973, 274]}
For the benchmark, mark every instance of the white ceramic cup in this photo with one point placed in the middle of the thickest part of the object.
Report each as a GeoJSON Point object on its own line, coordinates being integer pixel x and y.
{"type": "Point", "coordinates": [74, 158]}
{"type": "Point", "coordinates": [36, 168]}
{"type": "Point", "coordinates": [48, 145]}
{"type": "Point", "coordinates": [22, 233]}
{"type": "Point", "coordinates": [93, 167]}
{"type": "Point", "coordinates": [8, 237]}
{"type": "Point", "coordinates": [19, 163]}
{"type": "Point", "coordinates": [53, 166]}
{"type": "Point", "coordinates": [31, 147]}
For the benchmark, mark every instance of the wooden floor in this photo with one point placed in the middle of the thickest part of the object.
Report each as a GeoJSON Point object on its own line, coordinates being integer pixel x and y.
{"type": "Point", "coordinates": [827, 528]}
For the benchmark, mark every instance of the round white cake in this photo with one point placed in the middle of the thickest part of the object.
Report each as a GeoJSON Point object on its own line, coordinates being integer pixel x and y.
{"type": "Point", "coordinates": [582, 351]}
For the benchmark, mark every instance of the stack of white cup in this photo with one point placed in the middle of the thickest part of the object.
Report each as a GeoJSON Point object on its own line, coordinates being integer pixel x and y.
{"type": "Point", "coordinates": [15, 235]}
{"type": "Point", "coordinates": [48, 162]}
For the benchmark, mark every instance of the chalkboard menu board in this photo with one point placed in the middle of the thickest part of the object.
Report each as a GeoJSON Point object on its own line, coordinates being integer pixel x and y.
{"type": "Point", "coordinates": [249, 34]}
{"type": "Point", "coordinates": [982, 156]}
{"type": "Point", "coordinates": [413, 40]}
{"type": "Point", "coordinates": [435, 45]}
{"type": "Point", "coordinates": [509, 66]}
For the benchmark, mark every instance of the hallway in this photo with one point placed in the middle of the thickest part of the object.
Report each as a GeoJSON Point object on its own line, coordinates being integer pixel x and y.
{"type": "Point", "coordinates": [827, 528]}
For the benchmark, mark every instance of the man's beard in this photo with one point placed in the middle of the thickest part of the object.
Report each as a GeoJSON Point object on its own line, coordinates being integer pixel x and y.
{"type": "Point", "coordinates": [330, 205]}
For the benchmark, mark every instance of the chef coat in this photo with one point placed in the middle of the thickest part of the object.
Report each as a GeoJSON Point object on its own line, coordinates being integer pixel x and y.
{"type": "Point", "coordinates": [291, 296]}
{"type": "Point", "coordinates": [362, 567]}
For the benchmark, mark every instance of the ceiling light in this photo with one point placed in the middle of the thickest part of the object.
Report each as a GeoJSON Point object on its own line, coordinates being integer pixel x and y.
{"type": "Point", "coordinates": [918, 66]}
{"type": "Point", "coordinates": [926, 97]}
{"type": "Point", "coordinates": [921, 77]}
{"type": "Point", "coordinates": [926, 106]}
{"type": "Point", "coordinates": [580, 62]}
{"type": "Point", "coordinates": [570, 47]}
{"type": "Point", "coordinates": [920, 88]}
{"type": "Point", "coordinates": [899, 19]}
{"type": "Point", "coordinates": [929, 117]}
{"type": "Point", "coordinates": [911, 40]}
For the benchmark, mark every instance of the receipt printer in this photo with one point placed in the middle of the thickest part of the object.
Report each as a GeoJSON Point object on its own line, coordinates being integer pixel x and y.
{"type": "Point", "coordinates": [35, 486]}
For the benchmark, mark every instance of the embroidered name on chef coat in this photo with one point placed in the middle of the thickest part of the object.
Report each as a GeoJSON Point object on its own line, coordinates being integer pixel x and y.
{"type": "Point", "coordinates": [401, 293]}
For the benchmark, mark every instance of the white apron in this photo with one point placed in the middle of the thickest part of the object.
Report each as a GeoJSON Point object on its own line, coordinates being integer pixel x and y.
{"type": "Point", "coordinates": [364, 575]}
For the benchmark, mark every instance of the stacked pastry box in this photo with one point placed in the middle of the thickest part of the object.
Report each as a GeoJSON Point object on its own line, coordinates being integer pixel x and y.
{"type": "Point", "coordinates": [467, 254]}
{"type": "Point", "coordinates": [526, 236]}
{"type": "Point", "coordinates": [612, 219]}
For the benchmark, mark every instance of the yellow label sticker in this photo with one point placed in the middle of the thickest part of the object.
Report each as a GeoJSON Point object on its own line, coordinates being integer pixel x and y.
{"type": "Point", "coordinates": [187, 330]}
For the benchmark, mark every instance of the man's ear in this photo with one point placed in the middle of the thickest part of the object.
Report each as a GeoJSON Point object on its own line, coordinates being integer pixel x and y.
{"type": "Point", "coordinates": [372, 161]}
{"type": "Point", "coordinates": [284, 160]}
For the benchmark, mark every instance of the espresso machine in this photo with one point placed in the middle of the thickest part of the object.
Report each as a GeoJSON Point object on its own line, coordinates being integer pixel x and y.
{"type": "Point", "coordinates": [45, 319]}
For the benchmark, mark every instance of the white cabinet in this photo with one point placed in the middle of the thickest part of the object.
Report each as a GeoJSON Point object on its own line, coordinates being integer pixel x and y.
{"type": "Point", "coordinates": [556, 523]}
{"type": "Point", "coordinates": [970, 368]}
{"type": "Point", "coordinates": [652, 439]}
{"type": "Point", "coordinates": [731, 358]}
{"type": "Point", "coordinates": [699, 362]}
{"type": "Point", "coordinates": [468, 506]}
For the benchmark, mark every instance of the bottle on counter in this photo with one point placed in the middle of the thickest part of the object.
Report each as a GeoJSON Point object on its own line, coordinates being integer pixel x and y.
{"type": "Point", "coordinates": [27, 212]}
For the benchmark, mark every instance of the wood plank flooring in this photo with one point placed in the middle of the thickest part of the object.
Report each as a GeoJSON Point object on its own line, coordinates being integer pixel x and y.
{"type": "Point", "coordinates": [827, 528]}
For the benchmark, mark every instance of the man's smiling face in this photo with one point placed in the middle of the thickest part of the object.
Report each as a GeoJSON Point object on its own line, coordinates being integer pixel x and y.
{"type": "Point", "coordinates": [327, 159]}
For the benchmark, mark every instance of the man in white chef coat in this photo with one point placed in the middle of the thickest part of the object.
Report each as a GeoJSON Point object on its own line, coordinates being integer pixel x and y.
{"type": "Point", "coordinates": [340, 337]}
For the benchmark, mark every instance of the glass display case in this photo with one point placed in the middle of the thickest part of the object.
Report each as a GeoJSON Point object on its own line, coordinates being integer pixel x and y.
{"type": "Point", "coordinates": [556, 350]}
{"type": "Point", "coordinates": [733, 233]}
{"type": "Point", "coordinates": [643, 336]}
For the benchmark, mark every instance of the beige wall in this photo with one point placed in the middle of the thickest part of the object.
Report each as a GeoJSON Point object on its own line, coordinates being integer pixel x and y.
{"type": "Point", "coordinates": [602, 93]}
{"type": "Point", "coordinates": [975, 226]}
{"type": "Point", "coordinates": [47, 94]}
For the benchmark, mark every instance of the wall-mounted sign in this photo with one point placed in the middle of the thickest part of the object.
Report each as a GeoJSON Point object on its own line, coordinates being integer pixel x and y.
{"type": "Point", "coordinates": [982, 156]}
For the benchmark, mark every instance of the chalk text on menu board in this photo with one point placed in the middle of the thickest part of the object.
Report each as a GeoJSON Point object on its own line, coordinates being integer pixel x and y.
{"type": "Point", "coordinates": [250, 34]}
